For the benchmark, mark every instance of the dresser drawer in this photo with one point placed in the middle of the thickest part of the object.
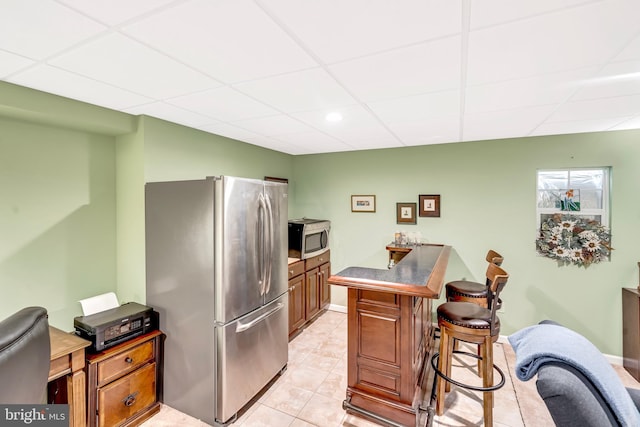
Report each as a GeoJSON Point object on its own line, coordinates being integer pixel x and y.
{"type": "Point", "coordinates": [127, 396]}
{"type": "Point", "coordinates": [295, 269]}
{"type": "Point", "coordinates": [124, 362]}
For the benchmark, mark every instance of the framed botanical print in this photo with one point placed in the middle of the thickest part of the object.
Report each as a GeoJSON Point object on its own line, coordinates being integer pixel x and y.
{"type": "Point", "coordinates": [429, 205]}
{"type": "Point", "coordinates": [406, 213]}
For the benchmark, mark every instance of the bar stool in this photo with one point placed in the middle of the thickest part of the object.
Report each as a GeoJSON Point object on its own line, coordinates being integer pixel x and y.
{"type": "Point", "coordinates": [475, 292]}
{"type": "Point", "coordinates": [464, 290]}
{"type": "Point", "coordinates": [469, 322]}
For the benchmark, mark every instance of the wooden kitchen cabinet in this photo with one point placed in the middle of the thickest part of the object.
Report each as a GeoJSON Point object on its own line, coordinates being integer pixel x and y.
{"type": "Point", "coordinates": [309, 292]}
{"type": "Point", "coordinates": [296, 296]}
{"type": "Point", "coordinates": [325, 288]}
{"type": "Point", "coordinates": [124, 383]}
{"type": "Point", "coordinates": [312, 289]}
{"type": "Point", "coordinates": [317, 284]}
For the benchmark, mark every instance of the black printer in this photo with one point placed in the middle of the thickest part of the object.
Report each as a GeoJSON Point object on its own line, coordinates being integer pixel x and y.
{"type": "Point", "coordinates": [111, 327]}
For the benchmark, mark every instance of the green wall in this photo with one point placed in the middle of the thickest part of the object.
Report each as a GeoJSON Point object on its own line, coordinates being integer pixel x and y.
{"type": "Point", "coordinates": [163, 151]}
{"type": "Point", "coordinates": [57, 218]}
{"type": "Point", "coordinates": [72, 181]}
{"type": "Point", "coordinates": [72, 207]}
{"type": "Point", "coordinates": [488, 201]}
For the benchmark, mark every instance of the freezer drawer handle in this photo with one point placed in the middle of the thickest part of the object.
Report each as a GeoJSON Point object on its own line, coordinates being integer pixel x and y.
{"type": "Point", "coordinates": [243, 327]}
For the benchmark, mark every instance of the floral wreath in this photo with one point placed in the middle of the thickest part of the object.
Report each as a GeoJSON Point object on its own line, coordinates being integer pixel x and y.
{"type": "Point", "coordinates": [571, 239]}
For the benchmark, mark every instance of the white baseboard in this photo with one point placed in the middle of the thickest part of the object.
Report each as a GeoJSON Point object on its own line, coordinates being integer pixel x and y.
{"type": "Point", "coordinates": [338, 308]}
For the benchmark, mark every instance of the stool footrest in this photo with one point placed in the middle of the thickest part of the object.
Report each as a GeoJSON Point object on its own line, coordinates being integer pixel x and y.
{"type": "Point", "coordinates": [434, 365]}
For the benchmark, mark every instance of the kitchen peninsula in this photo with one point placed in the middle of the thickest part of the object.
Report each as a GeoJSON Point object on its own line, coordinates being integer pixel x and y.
{"type": "Point", "coordinates": [391, 334]}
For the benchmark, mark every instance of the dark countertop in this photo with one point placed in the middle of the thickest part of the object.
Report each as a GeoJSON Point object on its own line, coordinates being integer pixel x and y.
{"type": "Point", "coordinates": [420, 273]}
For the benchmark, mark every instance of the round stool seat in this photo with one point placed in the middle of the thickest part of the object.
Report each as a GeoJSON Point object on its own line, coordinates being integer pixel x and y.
{"type": "Point", "coordinates": [466, 288]}
{"type": "Point", "coordinates": [466, 315]}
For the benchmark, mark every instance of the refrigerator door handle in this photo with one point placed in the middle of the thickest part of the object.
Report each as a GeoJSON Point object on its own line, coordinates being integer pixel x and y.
{"type": "Point", "coordinates": [262, 261]}
{"type": "Point", "coordinates": [244, 326]}
{"type": "Point", "coordinates": [269, 244]}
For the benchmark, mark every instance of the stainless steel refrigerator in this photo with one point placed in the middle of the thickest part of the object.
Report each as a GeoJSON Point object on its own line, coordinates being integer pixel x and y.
{"type": "Point", "coordinates": [216, 267]}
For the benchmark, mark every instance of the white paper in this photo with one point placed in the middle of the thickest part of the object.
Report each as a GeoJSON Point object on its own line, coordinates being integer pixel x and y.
{"type": "Point", "coordinates": [99, 303]}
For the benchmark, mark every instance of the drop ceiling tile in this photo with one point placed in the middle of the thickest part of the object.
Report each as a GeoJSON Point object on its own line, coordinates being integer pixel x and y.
{"type": "Point", "coordinates": [418, 107]}
{"type": "Point", "coordinates": [547, 43]}
{"type": "Point", "coordinates": [539, 90]}
{"type": "Point", "coordinates": [224, 103]}
{"type": "Point", "coordinates": [392, 68]}
{"type": "Point", "coordinates": [232, 41]}
{"type": "Point", "coordinates": [631, 51]}
{"type": "Point", "coordinates": [170, 113]}
{"type": "Point", "coordinates": [114, 12]}
{"type": "Point", "coordinates": [337, 30]}
{"type": "Point", "coordinates": [273, 125]}
{"type": "Point", "coordinates": [593, 109]}
{"type": "Point", "coordinates": [492, 12]}
{"type": "Point", "coordinates": [283, 147]}
{"type": "Point", "coordinates": [358, 126]}
{"type": "Point", "coordinates": [63, 83]}
{"type": "Point", "coordinates": [227, 130]}
{"type": "Point", "coordinates": [10, 63]}
{"type": "Point", "coordinates": [632, 123]}
{"type": "Point", "coordinates": [40, 28]}
{"type": "Point", "coordinates": [125, 63]}
{"type": "Point", "coordinates": [513, 123]}
{"type": "Point", "coordinates": [299, 91]}
{"type": "Point", "coordinates": [437, 130]}
{"type": "Point", "coordinates": [317, 141]}
{"type": "Point", "coordinates": [616, 79]}
{"type": "Point", "coordinates": [412, 70]}
{"type": "Point", "coordinates": [578, 126]}
{"type": "Point", "coordinates": [374, 142]}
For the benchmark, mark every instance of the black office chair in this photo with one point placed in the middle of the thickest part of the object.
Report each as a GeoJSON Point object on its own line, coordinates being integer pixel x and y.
{"type": "Point", "coordinates": [25, 353]}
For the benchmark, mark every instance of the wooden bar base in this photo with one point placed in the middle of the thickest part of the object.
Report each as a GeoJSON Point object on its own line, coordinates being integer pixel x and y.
{"type": "Point", "coordinates": [391, 335]}
{"type": "Point", "coordinates": [390, 340]}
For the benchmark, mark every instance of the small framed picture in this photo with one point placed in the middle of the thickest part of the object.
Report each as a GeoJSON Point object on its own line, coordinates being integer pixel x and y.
{"type": "Point", "coordinates": [361, 203]}
{"type": "Point", "coordinates": [429, 205]}
{"type": "Point", "coordinates": [406, 213]}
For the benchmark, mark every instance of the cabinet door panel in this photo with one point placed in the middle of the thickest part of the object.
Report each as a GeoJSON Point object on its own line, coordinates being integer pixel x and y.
{"type": "Point", "coordinates": [325, 288]}
{"type": "Point", "coordinates": [312, 290]}
{"type": "Point", "coordinates": [296, 303]}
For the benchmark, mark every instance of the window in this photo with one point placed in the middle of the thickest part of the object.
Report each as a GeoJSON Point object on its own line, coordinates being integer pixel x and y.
{"type": "Point", "coordinates": [579, 192]}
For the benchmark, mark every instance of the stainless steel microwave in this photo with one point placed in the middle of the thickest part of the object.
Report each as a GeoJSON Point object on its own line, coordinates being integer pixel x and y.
{"type": "Point", "coordinates": [308, 237]}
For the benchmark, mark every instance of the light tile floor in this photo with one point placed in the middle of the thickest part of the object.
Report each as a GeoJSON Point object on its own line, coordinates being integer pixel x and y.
{"type": "Point", "coordinates": [311, 390]}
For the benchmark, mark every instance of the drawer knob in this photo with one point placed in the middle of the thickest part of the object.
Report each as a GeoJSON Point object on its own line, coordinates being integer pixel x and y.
{"type": "Point", "coordinates": [130, 400]}
{"type": "Point", "coordinates": [290, 271]}
{"type": "Point", "coordinates": [128, 360]}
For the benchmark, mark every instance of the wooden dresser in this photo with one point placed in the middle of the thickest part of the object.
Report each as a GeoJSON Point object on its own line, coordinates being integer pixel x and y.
{"type": "Point", "coordinates": [124, 383]}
